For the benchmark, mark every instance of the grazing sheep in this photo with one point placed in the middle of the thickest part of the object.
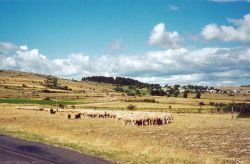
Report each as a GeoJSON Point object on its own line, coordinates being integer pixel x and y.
{"type": "Point", "coordinates": [41, 109]}
{"type": "Point", "coordinates": [137, 118]}
{"type": "Point", "coordinates": [52, 111]}
{"type": "Point", "coordinates": [78, 116]}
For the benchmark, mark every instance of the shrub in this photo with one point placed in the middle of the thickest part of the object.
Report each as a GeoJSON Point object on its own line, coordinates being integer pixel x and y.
{"type": "Point", "coordinates": [24, 86]}
{"type": "Point", "coordinates": [61, 106]}
{"type": "Point", "coordinates": [176, 93]}
{"type": "Point", "coordinates": [47, 98]}
{"type": "Point", "coordinates": [51, 82]}
{"type": "Point", "coordinates": [48, 91]}
{"type": "Point", "coordinates": [185, 94]}
{"type": "Point", "coordinates": [119, 89]}
{"type": "Point", "coordinates": [211, 103]}
{"type": "Point", "coordinates": [198, 95]}
{"type": "Point", "coordinates": [130, 93]}
{"type": "Point", "coordinates": [157, 92]}
{"type": "Point", "coordinates": [201, 103]}
{"type": "Point", "coordinates": [218, 106]}
{"type": "Point", "coordinates": [131, 107]}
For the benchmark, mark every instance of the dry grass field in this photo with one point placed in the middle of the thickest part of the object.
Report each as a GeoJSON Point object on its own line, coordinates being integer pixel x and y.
{"type": "Point", "coordinates": [28, 86]}
{"type": "Point", "coordinates": [11, 86]}
{"type": "Point", "coordinates": [191, 138]}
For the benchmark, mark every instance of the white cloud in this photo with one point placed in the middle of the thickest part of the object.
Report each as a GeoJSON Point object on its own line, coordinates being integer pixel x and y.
{"type": "Point", "coordinates": [239, 31]}
{"type": "Point", "coordinates": [174, 79]}
{"type": "Point", "coordinates": [7, 47]}
{"type": "Point", "coordinates": [160, 36]}
{"type": "Point", "coordinates": [205, 66]}
{"type": "Point", "coordinates": [24, 47]}
{"type": "Point", "coordinates": [74, 65]}
{"type": "Point", "coordinates": [173, 8]}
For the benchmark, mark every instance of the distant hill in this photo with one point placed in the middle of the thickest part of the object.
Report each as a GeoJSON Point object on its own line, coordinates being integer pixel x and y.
{"type": "Point", "coordinates": [245, 86]}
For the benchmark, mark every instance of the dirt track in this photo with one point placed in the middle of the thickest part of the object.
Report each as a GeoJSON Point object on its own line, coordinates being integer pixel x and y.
{"type": "Point", "coordinates": [13, 150]}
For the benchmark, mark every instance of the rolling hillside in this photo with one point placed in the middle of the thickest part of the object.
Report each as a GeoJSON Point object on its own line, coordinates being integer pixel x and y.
{"type": "Point", "coordinates": [15, 84]}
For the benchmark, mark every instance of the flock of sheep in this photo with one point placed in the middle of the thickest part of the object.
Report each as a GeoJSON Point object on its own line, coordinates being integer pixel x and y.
{"type": "Point", "coordinates": [144, 118]}
{"type": "Point", "coordinates": [139, 118]}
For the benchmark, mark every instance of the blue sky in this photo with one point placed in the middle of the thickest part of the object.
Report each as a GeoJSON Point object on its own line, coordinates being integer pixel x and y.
{"type": "Point", "coordinates": [58, 28]}
{"type": "Point", "coordinates": [120, 29]}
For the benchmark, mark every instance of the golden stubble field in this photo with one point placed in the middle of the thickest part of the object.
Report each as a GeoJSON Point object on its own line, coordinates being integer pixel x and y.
{"type": "Point", "coordinates": [191, 138]}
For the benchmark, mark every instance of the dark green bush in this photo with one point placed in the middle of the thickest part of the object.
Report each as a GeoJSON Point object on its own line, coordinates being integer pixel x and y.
{"type": "Point", "coordinates": [131, 107]}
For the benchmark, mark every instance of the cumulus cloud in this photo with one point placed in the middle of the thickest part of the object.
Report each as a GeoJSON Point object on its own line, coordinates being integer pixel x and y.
{"type": "Point", "coordinates": [173, 8]}
{"type": "Point", "coordinates": [24, 47]}
{"type": "Point", "coordinates": [204, 66]}
{"type": "Point", "coordinates": [74, 65]}
{"type": "Point", "coordinates": [22, 59]}
{"type": "Point", "coordinates": [239, 31]}
{"type": "Point", "coordinates": [6, 47]}
{"type": "Point", "coordinates": [160, 36]}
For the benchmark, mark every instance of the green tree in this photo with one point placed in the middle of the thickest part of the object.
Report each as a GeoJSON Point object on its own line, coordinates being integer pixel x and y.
{"type": "Point", "coordinates": [176, 93]}
{"type": "Point", "coordinates": [176, 87]}
{"type": "Point", "coordinates": [185, 94]}
{"type": "Point", "coordinates": [51, 82]}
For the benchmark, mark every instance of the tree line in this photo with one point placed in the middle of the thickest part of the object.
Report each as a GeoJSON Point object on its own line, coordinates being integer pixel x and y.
{"type": "Point", "coordinates": [120, 81]}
